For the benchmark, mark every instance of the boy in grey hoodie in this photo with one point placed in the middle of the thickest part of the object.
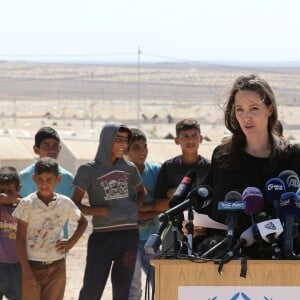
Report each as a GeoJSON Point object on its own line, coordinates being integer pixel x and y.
{"type": "Point", "coordinates": [115, 236]}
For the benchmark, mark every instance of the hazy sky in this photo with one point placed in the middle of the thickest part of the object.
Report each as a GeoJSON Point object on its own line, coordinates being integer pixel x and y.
{"type": "Point", "coordinates": [210, 30]}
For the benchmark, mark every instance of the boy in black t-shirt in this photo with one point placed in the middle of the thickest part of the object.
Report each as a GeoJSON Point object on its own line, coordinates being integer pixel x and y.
{"type": "Point", "coordinates": [189, 138]}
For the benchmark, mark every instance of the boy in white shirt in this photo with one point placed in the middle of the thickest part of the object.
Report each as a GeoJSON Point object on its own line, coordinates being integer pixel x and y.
{"type": "Point", "coordinates": [41, 217]}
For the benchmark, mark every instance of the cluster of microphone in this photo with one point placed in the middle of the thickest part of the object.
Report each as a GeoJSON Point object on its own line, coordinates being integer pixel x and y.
{"type": "Point", "coordinates": [184, 198]}
{"type": "Point", "coordinates": [276, 229]}
{"type": "Point", "coordinates": [283, 193]}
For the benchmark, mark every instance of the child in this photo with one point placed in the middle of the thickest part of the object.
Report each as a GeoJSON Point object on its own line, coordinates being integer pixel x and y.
{"type": "Point", "coordinates": [10, 270]}
{"type": "Point", "coordinates": [41, 217]}
{"type": "Point", "coordinates": [148, 223]}
{"type": "Point", "coordinates": [115, 236]}
{"type": "Point", "coordinates": [189, 138]}
{"type": "Point", "coordinates": [47, 144]}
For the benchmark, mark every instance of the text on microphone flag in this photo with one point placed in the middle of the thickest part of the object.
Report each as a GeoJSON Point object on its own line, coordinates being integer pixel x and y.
{"type": "Point", "coordinates": [231, 205]}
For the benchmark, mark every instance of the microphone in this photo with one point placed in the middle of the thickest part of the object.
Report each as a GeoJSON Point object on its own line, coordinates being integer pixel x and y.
{"type": "Point", "coordinates": [269, 231]}
{"type": "Point", "coordinates": [199, 198]}
{"type": "Point", "coordinates": [203, 196]}
{"type": "Point", "coordinates": [246, 240]}
{"type": "Point", "coordinates": [232, 206]}
{"type": "Point", "coordinates": [254, 204]}
{"type": "Point", "coordinates": [275, 187]}
{"type": "Point", "coordinates": [290, 179]}
{"type": "Point", "coordinates": [289, 209]}
{"type": "Point", "coordinates": [183, 188]}
{"type": "Point", "coordinates": [254, 201]}
{"type": "Point", "coordinates": [154, 241]}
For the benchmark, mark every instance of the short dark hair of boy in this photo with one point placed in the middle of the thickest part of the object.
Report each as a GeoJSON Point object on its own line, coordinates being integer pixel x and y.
{"type": "Point", "coordinates": [45, 133]}
{"type": "Point", "coordinates": [137, 134]}
{"type": "Point", "coordinates": [9, 175]}
{"type": "Point", "coordinates": [124, 128]}
{"type": "Point", "coordinates": [187, 124]}
{"type": "Point", "coordinates": [46, 165]}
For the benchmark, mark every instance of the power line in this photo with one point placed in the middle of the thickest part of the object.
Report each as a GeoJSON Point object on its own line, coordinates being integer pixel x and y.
{"type": "Point", "coordinates": [95, 55]}
{"type": "Point", "coordinates": [167, 57]}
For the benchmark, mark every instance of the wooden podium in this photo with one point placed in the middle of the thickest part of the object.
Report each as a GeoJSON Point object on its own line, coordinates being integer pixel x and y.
{"type": "Point", "coordinates": [172, 273]}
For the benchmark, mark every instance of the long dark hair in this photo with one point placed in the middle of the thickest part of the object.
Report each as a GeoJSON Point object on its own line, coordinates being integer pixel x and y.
{"type": "Point", "coordinates": [229, 153]}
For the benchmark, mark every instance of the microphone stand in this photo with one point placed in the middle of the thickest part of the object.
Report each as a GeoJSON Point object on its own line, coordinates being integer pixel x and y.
{"type": "Point", "coordinates": [175, 241]}
{"type": "Point", "coordinates": [190, 228]}
{"type": "Point", "coordinates": [177, 246]}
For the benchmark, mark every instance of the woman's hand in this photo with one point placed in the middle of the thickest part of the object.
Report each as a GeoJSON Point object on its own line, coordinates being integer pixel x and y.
{"type": "Point", "coordinates": [198, 230]}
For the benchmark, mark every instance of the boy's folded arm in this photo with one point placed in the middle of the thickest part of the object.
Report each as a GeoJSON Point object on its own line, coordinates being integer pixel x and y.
{"type": "Point", "coordinates": [87, 209]}
{"type": "Point", "coordinates": [92, 210]}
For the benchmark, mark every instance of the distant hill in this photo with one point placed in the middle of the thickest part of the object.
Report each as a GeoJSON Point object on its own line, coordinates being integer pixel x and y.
{"type": "Point", "coordinates": [178, 82]}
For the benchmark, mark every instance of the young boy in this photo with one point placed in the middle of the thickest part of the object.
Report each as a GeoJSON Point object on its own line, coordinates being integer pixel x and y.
{"type": "Point", "coordinates": [148, 223]}
{"type": "Point", "coordinates": [47, 144]}
{"type": "Point", "coordinates": [41, 217]}
{"type": "Point", "coordinates": [115, 236]}
{"type": "Point", "coordinates": [189, 138]}
{"type": "Point", "coordinates": [10, 270]}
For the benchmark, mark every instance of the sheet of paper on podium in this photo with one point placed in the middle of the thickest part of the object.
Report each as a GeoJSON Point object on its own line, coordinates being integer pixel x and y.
{"type": "Point", "coordinates": [205, 221]}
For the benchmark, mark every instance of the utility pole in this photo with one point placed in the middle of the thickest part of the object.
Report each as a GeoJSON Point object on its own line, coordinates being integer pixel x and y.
{"type": "Point", "coordinates": [15, 112]}
{"type": "Point", "coordinates": [138, 88]}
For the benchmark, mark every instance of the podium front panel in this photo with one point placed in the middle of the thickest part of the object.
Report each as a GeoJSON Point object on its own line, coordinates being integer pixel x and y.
{"type": "Point", "coordinates": [170, 274]}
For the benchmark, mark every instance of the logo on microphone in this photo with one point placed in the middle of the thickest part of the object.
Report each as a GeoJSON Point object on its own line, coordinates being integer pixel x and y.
{"type": "Point", "coordinates": [270, 226]}
{"type": "Point", "coordinates": [206, 203]}
{"type": "Point", "coordinates": [231, 205]}
{"type": "Point", "coordinates": [275, 187]}
{"type": "Point", "coordinates": [292, 181]}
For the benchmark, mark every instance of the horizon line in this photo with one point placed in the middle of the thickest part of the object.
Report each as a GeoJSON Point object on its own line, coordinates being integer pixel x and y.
{"type": "Point", "coordinates": [239, 63]}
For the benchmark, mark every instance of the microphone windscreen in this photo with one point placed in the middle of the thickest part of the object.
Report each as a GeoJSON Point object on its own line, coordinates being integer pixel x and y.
{"type": "Point", "coordinates": [289, 205]}
{"type": "Point", "coordinates": [233, 196]}
{"type": "Point", "coordinates": [290, 179]}
{"type": "Point", "coordinates": [275, 187]}
{"type": "Point", "coordinates": [254, 200]}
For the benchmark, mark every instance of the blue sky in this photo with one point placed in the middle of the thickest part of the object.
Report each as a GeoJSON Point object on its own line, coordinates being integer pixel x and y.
{"type": "Point", "coordinates": [112, 30]}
